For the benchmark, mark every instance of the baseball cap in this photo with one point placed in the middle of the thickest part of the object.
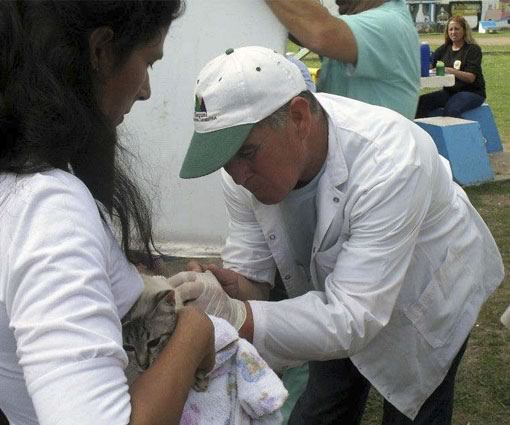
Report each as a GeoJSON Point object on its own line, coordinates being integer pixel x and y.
{"type": "Point", "coordinates": [234, 91]}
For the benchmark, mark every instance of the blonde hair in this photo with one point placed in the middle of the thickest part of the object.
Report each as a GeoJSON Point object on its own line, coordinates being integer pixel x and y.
{"type": "Point", "coordinates": [468, 34]}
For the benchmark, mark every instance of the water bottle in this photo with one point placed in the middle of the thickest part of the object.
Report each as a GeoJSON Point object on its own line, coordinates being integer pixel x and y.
{"type": "Point", "coordinates": [440, 68]}
{"type": "Point", "coordinates": [425, 58]}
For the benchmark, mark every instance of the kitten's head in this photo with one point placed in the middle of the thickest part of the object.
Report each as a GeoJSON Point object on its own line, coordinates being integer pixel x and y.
{"type": "Point", "coordinates": [147, 327]}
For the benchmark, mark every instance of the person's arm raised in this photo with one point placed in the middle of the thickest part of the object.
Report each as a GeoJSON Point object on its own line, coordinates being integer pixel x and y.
{"type": "Point", "coordinates": [316, 29]}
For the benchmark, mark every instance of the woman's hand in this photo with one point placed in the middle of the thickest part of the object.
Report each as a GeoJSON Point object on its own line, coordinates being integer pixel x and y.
{"type": "Point", "coordinates": [467, 77]}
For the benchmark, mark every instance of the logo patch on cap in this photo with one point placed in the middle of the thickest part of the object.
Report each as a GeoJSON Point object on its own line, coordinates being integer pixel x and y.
{"type": "Point", "coordinates": [200, 105]}
{"type": "Point", "coordinates": [201, 111]}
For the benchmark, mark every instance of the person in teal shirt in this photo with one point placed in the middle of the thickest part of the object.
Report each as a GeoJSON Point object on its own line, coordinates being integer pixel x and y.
{"type": "Point", "coordinates": [370, 53]}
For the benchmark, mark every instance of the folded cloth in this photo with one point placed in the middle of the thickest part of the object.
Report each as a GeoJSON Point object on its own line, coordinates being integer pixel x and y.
{"type": "Point", "coordinates": [242, 388]}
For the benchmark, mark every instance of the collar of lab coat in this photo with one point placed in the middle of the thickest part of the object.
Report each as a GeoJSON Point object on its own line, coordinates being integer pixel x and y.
{"type": "Point", "coordinates": [329, 196]}
{"type": "Point", "coordinates": [330, 200]}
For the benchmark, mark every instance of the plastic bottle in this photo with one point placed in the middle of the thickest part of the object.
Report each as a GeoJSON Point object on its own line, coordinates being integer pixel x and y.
{"type": "Point", "coordinates": [440, 68]}
{"type": "Point", "coordinates": [425, 58]}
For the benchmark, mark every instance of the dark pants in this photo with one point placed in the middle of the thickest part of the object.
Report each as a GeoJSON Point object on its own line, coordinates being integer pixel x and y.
{"type": "Point", "coordinates": [336, 393]}
{"type": "Point", "coordinates": [454, 105]}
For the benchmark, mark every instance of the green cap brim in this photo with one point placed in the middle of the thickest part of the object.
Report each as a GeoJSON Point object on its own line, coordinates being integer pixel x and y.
{"type": "Point", "coordinates": [210, 151]}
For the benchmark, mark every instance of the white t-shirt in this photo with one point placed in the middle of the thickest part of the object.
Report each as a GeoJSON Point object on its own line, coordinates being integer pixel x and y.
{"type": "Point", "coordinates": [64, 285]}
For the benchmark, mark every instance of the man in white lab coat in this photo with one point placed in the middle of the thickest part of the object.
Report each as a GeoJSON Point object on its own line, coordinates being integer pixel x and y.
{"type": "Point", "coordinates": [385, 261]}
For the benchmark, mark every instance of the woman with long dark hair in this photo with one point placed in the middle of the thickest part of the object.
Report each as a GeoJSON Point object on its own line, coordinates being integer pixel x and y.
{"type": "Point", "coordinates": [69, 72]}
{"type": "Point", "coordinates": [462, 57]}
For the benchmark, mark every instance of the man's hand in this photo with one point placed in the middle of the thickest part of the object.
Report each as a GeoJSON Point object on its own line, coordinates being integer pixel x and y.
{"type": "Point", "coordinates": [234, 284]}
{"type": "Point", "coordinates": [180, 278]}
{"type": "Point", "coordinates": [228, 279]}
{"type": "Point", "coordinates": [205, 292]}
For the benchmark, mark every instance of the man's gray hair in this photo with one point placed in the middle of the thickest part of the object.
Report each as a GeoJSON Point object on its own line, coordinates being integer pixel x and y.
{"type": "Point", "coordinates": [278, 119]}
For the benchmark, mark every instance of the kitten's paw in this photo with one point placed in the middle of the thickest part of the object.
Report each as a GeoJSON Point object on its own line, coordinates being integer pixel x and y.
{"type": "Point", "coordinates": [201, 381]}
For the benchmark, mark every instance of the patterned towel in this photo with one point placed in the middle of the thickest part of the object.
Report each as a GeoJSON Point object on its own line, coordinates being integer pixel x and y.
{"type": "Point", "coordinates": [242, 388]}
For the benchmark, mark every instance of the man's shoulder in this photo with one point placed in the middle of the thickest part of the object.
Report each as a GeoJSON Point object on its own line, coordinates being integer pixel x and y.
{"type": "Point", "coordinates": [392, 22]}
{"type": "Point", "coordinates": [358, 120]}
{"type": "Point", "coordinates": [393, 10]}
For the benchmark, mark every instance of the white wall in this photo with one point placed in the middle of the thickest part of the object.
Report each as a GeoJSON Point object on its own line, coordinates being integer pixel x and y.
{"type": "Point", "coordinates": [190, 214]}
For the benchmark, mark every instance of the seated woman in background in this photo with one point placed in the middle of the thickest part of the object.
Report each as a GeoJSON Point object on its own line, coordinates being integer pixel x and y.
{"type": "Point", "coordinates": [462, 58]}
{"type": "Point", "coordinates": [69, 72]}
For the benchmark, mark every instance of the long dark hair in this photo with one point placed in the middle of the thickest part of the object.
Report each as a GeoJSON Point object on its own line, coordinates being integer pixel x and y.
{"type": "Point", "coordinates": [49, 114]}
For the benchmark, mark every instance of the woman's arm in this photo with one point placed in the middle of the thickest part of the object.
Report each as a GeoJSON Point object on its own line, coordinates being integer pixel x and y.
{"type": "Point", "coordinates": [467, 77]}
{"type": "Point", "coordinates": [438, 55]}
{"type": "Point", "coordinates": [159, 394]}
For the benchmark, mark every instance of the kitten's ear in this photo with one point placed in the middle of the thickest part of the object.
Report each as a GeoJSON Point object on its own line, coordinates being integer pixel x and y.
{"type": "Point", "coordinates": [163, 317]}
{"type": "Point", "coordinates": [176, 301]}
{"type": "Point", "coordinates": [163, 295]}
{"type": "Point", "coordinates": [164, 302]}
{"type": "Point", "coordinates": [170, 298]}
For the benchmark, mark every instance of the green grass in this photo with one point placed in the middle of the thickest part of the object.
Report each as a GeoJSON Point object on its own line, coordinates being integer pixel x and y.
{"type": "Point", "coordinates": [497, 76]}
{"type": "Point", "coordinates": [496, 69]}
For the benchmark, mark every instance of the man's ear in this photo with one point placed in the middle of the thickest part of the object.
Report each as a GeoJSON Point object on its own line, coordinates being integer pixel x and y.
{"type": "Point", "coordinates": [300, 115]}
{"type": "Point", "coordinates": [101, 52]}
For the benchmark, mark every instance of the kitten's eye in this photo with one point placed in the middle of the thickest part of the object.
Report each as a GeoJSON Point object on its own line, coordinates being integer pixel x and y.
{"type": "Point", "coordinates": [154, 342]}
{"type": "Point", "coordinates": [129, 348]}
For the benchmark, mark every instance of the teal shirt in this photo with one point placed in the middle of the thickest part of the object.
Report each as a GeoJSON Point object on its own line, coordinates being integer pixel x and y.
{"type": "Point", "coordinates": [388, 69]}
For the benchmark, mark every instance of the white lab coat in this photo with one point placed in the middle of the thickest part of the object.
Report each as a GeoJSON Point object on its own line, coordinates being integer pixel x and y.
{"type": "Point", "coordinates": [400, 266]}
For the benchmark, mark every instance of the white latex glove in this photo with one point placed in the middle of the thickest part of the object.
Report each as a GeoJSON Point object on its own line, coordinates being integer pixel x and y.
{"type": "Point", "coordinates": [180, 278]}
{"type": "Point", "coordinates": [206, 293]}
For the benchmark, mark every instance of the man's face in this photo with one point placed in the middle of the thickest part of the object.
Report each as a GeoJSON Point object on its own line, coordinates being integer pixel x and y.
{"type": "Point", "coordinates": [269, 163]}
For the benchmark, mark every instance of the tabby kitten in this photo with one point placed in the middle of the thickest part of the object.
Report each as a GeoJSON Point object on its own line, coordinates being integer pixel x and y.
{"type": "Point", "coordinates": [148, 326]}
